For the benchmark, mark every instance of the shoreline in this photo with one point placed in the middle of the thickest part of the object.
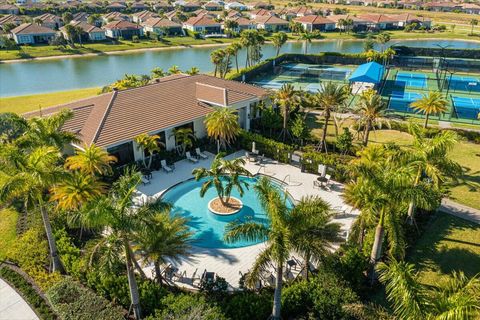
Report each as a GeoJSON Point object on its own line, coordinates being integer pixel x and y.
{"type": "Point", "coordinates": [207, 45]}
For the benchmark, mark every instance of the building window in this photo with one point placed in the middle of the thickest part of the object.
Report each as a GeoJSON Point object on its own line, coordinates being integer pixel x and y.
{"type": "Point", "coordinates": [123, 153]}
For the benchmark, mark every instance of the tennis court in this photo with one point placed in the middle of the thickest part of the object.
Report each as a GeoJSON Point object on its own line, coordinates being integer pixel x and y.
{"type": "Point", "coordinates": [463, 83]}
{"type": "Point", "coordinates": [465, 107]}
{"type": "Point", "coordinates": [401, 100]}
{"type": "Point", "coordinates": [407, 79]}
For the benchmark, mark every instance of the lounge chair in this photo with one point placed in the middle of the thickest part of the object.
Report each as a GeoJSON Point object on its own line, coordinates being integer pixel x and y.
{"type": "Point", "coordinates": [145, 181]}
{"type": "Point", "coordinates": [200, 154]}
{"type": "Point", "coordinates": [327, 184]}
{"type": "Point", "coordinates": [343, 211]}
{"type": "Point", "coordinates": [190, 158]}
{"type": "Point", "coordinates": [165, 167]}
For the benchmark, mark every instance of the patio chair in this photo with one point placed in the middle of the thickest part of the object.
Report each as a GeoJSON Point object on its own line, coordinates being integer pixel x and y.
{"type": "Point", "coordinates": [343, 210]}
{"type": "Point", "coordinates": [201, 154]}
{"type": "Point", "coordinates": [190, 158]}
{"type": "Point", "coordinates": [145, 181]}
{"type": "Point", "coordinates": [327, 184]}
{"type": "Point", "coordinates": [165, 167]}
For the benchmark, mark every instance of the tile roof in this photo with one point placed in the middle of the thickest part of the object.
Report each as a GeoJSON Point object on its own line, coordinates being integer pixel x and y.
{"type": "Point", "coordinates": [261, 12]}
{"type": "Point", "coordinates": [269, 20]}
{"type": "Point", "coordinates": [116, 117]}
{"type": "Point", "coordinates": [81, 16]}
{"type": "Point", "coordinates": [86, 27]}
{"type": "Point", "coordinates": [116, 16]}
{"type": "Point", "coordinates": [121, 25]}
{"type": "Point", "coordinates": [7, 6]}
{"type": "Point", "coordinates": [313, 20]}
{"type": "Point", "coordinates": [31, 28]}
{"type": "Point", "coordinates": [338, 17]}
{"type": "Point", "coordinates": [48, 17]}
{"type": "Point", "coordinates": [201, 21]}
{"type": "Point", "coordinates": [160, 22]}
{"type": "Point", "coordinates": [242, 21]}
{"type": "Point", "coordinates": [10, 18]}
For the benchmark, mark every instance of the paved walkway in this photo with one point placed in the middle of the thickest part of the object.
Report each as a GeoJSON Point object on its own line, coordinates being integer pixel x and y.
{"type": "Point", "coordinates": [12, 305]}
{"type": "Point", "coordinates": [459, 210]}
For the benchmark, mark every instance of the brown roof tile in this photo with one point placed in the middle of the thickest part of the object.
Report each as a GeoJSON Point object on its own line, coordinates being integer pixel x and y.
{"type": "Point", "coordinates": [160, 22]}
{"type": "Point", "coordinates": [31, 28]}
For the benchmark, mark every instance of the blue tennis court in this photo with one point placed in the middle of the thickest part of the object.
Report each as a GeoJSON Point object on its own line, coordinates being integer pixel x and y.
{"type": "Point", "coordinates": [465, 107]}
{"type": "Point", "coordinates": [401, 100]}
{"type": "Point", "coordinates": [461, 83]}
{"type": "Point", "coordinates": [406, 79]}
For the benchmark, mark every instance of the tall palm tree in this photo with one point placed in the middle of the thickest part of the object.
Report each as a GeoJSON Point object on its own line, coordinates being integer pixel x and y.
{"type": "Point", "coordinates": [157, 73]}
{"type": "Point", "coordinates": [371, 109]}
{"type": "Point", "coordinates": [431, 103]}
{"type": "Point", "coordinates": [278, 40]}
{"type": "Point", "coordinates": [28, 176]}
{"type": "Point", "coordinates": [193, 71]}
{"type": "Point", "coordinates": [382, 39]}
{"type": "Point", "coordinates": [252, 40]}
{"type": "Point", "coordinates": [217, 57]}
{"type": "Point", "coordinates": [91, 160]}
{"type": "Point", "coordinates": [289, 231]}
{"type": "Point", "coordinates": [307, 38]}
{"type": "Point", "coordinates": [473, 23]}
{"type": "Point", "coordinates": [223, 175]}
{"type": "Point", "coordinates": [286, 98]}
{"type": "Point", "coordinates": [456, 298]}
{"type": "Point", "coordinates": [235, 47]}
{"type": "Point", "coordinates": [330, 96]}
{"type": "Point", "coordinates": [174, 70]}
{"type": "Point", "coordinates": [148, 144]}
{"type": "Point", "coordinates": [161, 237]}
{"type": "Point", "coordinates": [184, 137]}
{"type": "Point", "coordinates": [222, 125]}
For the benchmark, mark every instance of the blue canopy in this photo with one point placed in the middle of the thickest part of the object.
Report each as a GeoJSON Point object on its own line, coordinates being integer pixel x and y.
{"type": "Point", "coordinates": [371, 72]}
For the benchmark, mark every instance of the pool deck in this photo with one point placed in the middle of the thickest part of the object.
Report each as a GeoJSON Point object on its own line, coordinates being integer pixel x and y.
{"type": "Point", "coordinates": [228, 263]}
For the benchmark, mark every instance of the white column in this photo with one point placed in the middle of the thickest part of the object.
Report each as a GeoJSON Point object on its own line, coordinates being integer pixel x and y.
{"type": "Point", "coordinates": [247, 118]}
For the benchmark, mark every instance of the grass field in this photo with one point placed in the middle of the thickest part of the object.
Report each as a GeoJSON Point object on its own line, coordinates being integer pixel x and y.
{"type": "Point", "coordinates": [8, 233]}
{"type": "Point", "coordinates": [22, 104]}
{"type": "Point", "coordinates": [448, 244]}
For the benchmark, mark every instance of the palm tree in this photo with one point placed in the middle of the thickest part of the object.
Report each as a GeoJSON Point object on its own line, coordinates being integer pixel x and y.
{"type": "Point", "coordinates": [157, 73]}
{"type": "Point", "coordinates": [456, 298]}
{"type": "Point", "coordinates": [304, 229]}
{"type": "Point", "coordinates": [148, 144]}
{"type": "Point", "coordinates": [174, 70]}
{"type": "Point", "coordinates": [286, 98]}
{"type": "Point", "coordinates": [278, 40]}
{"type": "Point", "coordinates": [224, 175]}
{"type": "Point", "coordinates": [184, 137]}
{"type": "Point", "coordinates": [431, 103]}
{"type": "Point", "coordinates": [307, 38]}
{"type": "Point", "coordinates": [91, 160]}
{"type": "Point", "coordinates": [234, 48]}
{"type": "Point", "coordinates": [329, 97]}
{"type": "Point", "coordinates": [193, 71]}
{"type": "Point", "coordinates": [161, 237]}
{"type": "Point", "coordinates": [222, 125]}
{"type": "Point", "coordinates": [371, 109]}
{"type": "Point", "coordinates": [473, 23]}
{"type": "Point", "coordinates": [382, 39]}
{"type": "Point", "coordinates": [216, 57]}
{"type": "Point", "coordinates": [28, 176]}
{"type": "Point", "coordinates": [252, 40]}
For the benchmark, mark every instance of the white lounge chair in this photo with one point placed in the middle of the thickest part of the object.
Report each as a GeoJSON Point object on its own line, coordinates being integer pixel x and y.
{"type": "Point", "coordinates": [165, 167]}
{"type": "Point", "coordinates": [145, 181]}
{"type": "Point", "coordinates": [201, 154]}
{"type": "Point", "coordinates": [190, 158]}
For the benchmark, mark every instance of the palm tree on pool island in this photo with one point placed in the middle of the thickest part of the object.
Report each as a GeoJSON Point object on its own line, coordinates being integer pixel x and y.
{"type": "Point", "coordinates": [305, 229]}
{"type": "Point", "coordinates": [223, 175]}
{"type": "Point", "coordinates": [222, 125]}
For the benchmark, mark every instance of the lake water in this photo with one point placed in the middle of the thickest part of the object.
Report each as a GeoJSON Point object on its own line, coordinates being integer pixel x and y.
{"type": "Point", "coordinates": [32, 77]}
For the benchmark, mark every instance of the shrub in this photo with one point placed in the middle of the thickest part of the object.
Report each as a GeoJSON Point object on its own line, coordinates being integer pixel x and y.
{"type": "Point", "coordinates": [339, 163]}
{"type": "Point", "coordinates": [248, 305]}
{"type": "Point", "coordinates": [323, 297]}
{"type": "Point", "coordinates": [40, 306]}
{"type": "Point", "coordinates": [135, 39]}
{"type": "Point", "coordinates": [192, 34]}
{"type": "Point", "coordinates": [268, 147]}
{"type": "Point", "coordinates": [72, 301]}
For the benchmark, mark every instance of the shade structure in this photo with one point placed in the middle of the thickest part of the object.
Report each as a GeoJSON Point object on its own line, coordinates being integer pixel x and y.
{"type": "Point", "coordinates": [370, 72]}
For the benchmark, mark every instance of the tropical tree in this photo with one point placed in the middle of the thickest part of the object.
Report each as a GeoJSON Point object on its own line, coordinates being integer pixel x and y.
{"type": "Point", "coordinates": [91, 160]}
{"type": "Point", "coordinates": [222, 125]}
{"type": "Point", "coordinates": [252, 41]}
{"type": "Point", "coordinates": [217, 57]}
{"type": "Point", "coordinates": [157, 73]}
{"type": "Point", "coordinates": [330, 97]}
{"type": "Point", "coordinates": [193, 71]}
{"type": "Point", "coordinates": [161, 237]}
{"type": "Point", "coordinates": [455, 298]}
{"type": "Point", "coordinates": [306, 37]}
{"type": "Point", "coordinates": [382, 39]}
{"type": "Point", "coordinates": [279, 39]}
{"type": "Point", "coordinates": [174, 70]}
{"type": "Point", "coordinates": [431, 103]}
{"type": "Point", "coordinates": [184, 137]}
{"type": "Point", "coordinates": [371, 109]}
{"type": "Point", "coordinates": [12, 126]}
{"type": "Point", "coordinates": [473, 23]}
{"type": "Point", "coordinates": [295, 27]}
{"type": "Point", "coordinates": [230, 25]}
{"type": "Point", "coordinates": [129, 81]}
{"type": "Point", "coordinates": [234, 48]}
{"type": "Point", "coordinates": [71, 33]}
{"type": "Point", "coordinates": [286, 98]}
{"type": "Point", "coordinates": [148, 144]}
{"type": "Point", "coordinates": [67, 17]}
{"type": "Point", "coordinates": [305, 229]}
{"type": "Point", "coordinates": [224, 176]}
{"type": "Point", "coordinates": [388, 55]}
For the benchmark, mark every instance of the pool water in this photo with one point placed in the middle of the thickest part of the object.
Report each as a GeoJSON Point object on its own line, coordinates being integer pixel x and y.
{"type": "Point", "coordinates": [208, 229]}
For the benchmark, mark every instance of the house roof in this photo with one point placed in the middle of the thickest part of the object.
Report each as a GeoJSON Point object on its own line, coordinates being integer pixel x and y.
{"type": "Point", "coordinates": [48, 17]}
{"type": "Point", "coordinates": [145, 14]}
{"type": "Point", "coordinates": [10, 18]}
{"type": "Point", "coordinates": [338, 17]}
{"type": "Point", "coordinates": [297, 11]}
{"type": "Point", "coordinates": [115, 16]}
{"type": "Point", "coordinates": [117, 117]}
{"type": "Point", "coordinates": [201, 21]}
{"type": "Point", "coordinates": [31, 28]}
{"type": "Point", "coordinates": [269, 20]}
{"type": "Point", "coordinates": [370, 72]}
{"type": "Point", "coordinates": [233, 13]}
{"type": "Point", "coordinates": [212, 4]}
{"type": "Point", "coordinates": [314, 19]}
{"type": "Point", "coordinates": [242, 21]}
{"type": "Point", "coordinates": [116, 5]}
{"type": "Point", "coordinates": [377, 18]}
{"type": "Point", "coordinates": [261, 12]}
{"type": "Point", "coordinates": [160, 22]}
{"type": "Point", "coordinates": [121, 25]}
{"type": "Point", "coordinates": [86, 27]}
{"type": "Point", "coordinates": [81, 16]}
{"type": "Point", "coordinates": [6, 6]}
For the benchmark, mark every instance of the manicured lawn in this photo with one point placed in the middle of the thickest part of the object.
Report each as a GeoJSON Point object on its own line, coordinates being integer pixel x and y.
{"type": "Point", "coordinates": [448, 244]}
{"type": "Point", "coordinates": [8, 230]}
{"type": "Point", "coordinates": [22, 104]}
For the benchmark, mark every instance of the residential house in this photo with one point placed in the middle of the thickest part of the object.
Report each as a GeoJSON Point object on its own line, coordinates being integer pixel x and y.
{"type": "Point", "coordinates": [312, 23]}
{"type": "Point", "coordinates": [81, 16]}
{"type": "Point", "coordinates": [205, 13]}
{"type": "Point", "coordinates": [32, 33]}
{"type": "Point", "coordinates": [235, 6]}
{"type": "Point", "coordinates": [203, 25]}
{"type": "Point", "coordinates": [232, 14]}
{"type": "Point", "coordinates": [10, 19]}
{"type": "Point", "coordinates": [124, 29]}
{"type": "Point", "coordinates": [261, 5]}
{"type": "Point", "coordinates": [188, 6]}
{"type": "Point", "coordinates": [138, 6]}
{"type": "Point", "coordinates": [379, 21]}
{"type": "Point", "coordinates": [6, 8]}
{"type": "Point", "coordinates": [407, 18]}
{"type": "Point", "coordinates": [173, 15]}
{"type": "Point", "coordinates": [413, 5]}
{"type": "Point", "coordinates": [471, 8]}
{"type": "Point", "coordinates": [89, 32]}
{"type": "Point", "coordinates": [49, 20]}
{"type": "Point", "coordinates": [213, 6]}
{"type": "Point", "coordinates": [243, 24]}
{"type": "Point", "coordinates": [163, 6]}
{"type": "Point", "coordinates": [115, 16]}
{"type": "Point", "coordinates": [162, 26]}
{"type": "Point", "coordinates": [260, 13]}
{"type": "Point", "coordinates": [290, 13]}
{"type": "Point", "coordinates": [143, 16]}
{"type": "Point", "coordinates": [113, 120]}
{"type": "Point", "coordinates": [441, 6]}
{"type": "Point", "coordinates": [358, 24]}
{"type": "Point", "coordinates": [271, 23]}
{"type": "Point", "coordinates": [116, 7]}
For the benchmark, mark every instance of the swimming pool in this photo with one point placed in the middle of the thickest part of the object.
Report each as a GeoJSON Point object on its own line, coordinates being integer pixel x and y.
{"type": "Point", "coordinates": [208, 228]}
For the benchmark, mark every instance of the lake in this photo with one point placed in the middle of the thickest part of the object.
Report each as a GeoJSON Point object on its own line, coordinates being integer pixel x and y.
{"type": "Point", "coordinates": [31, 77]}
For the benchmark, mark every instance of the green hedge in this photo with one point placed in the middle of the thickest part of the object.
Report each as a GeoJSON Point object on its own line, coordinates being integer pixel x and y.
{"type": "Point", "coordinates": [339, 163]}
{"type": "Point", "coordinates": [470, 136]}
{"type": "Point", "coordinates": [17, 281]}
{"type": "Point", "coordinates": [75, 302]}
{"type": "Point", "coordinates": [268, 147]}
